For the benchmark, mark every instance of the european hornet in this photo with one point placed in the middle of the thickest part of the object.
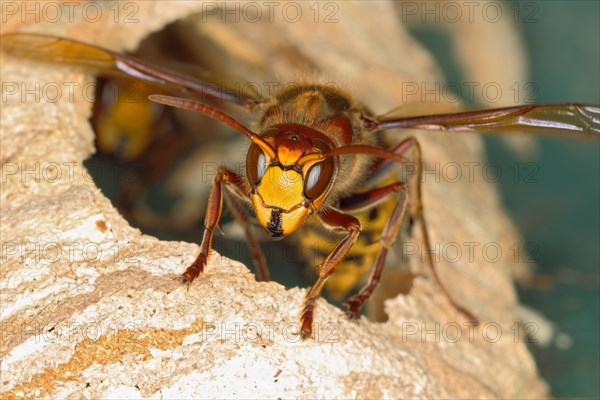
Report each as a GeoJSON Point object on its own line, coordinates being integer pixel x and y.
{"type": "Point", "coordinates": [312, 152]}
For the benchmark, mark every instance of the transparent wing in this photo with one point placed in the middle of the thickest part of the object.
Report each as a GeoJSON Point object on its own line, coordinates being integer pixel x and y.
{"type": "Point", "coordinates": [548, 119]}
{"type": "Point", "coordinates": [68, 51]}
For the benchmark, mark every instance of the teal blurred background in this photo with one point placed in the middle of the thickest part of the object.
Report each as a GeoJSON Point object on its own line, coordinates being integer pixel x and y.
{"type": "Point", "coordinates": [560, 212]}
{"type": "Point", "coordinates": [565, 61]}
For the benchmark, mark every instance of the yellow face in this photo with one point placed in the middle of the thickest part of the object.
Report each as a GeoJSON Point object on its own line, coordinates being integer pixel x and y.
{"type": "Point", "coordinates": [279, 202]}
{"type": "Point", "coordinates": [284, 191]}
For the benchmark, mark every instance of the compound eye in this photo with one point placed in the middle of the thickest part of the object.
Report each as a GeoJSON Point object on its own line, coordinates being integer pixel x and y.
{"type": "Point", "coordinates": [256, 164]}
{"type": "Point", "coordinates": [318, 178]}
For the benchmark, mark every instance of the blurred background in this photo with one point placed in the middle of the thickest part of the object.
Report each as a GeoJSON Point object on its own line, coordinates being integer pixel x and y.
{"type": "Point", "coordinates": [561, 214]}
{"type": "Point", "coordinates": [565, 61]}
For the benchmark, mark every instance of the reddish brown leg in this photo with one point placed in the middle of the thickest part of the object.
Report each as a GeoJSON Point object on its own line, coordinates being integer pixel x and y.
{"type": "Point", "coordinates": [392, 227]}
{"type": "Point", "coordinates": [213, 214]}
{"type": "Point", "coordinates": [416, 212]}
{"type": "Point", "coordinates": [369, 199]}
{"type": "Point", "coordinates": [337, 220]}
{"type": "Point", "coordinates": [241, 215]}
{"type": "Point", "coordinates": [387, 239]}
{"type": "Point", "coordinates": [390, 232]}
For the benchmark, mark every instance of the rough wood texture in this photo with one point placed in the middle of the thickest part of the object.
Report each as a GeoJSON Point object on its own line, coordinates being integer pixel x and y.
{"type": "Point", "coordinates": [89, 307]}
